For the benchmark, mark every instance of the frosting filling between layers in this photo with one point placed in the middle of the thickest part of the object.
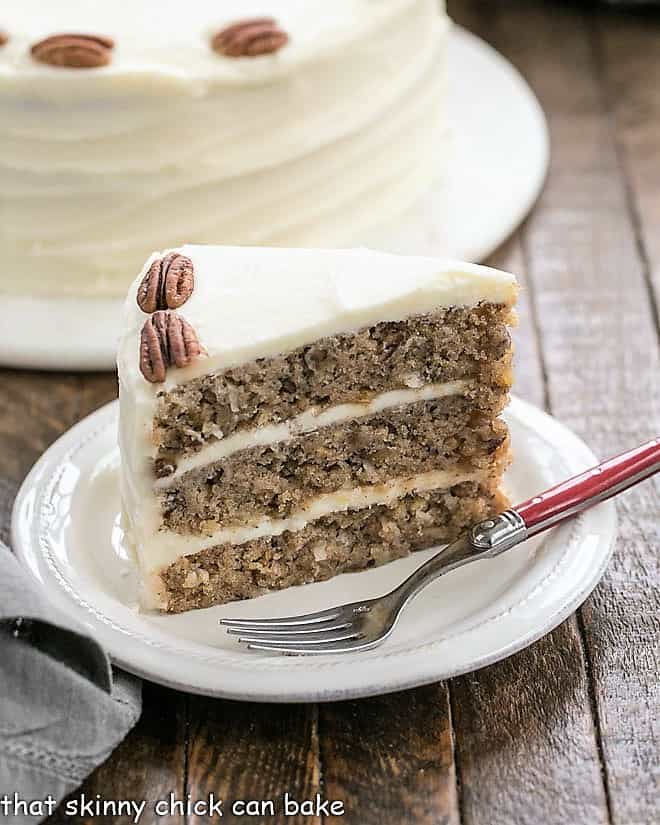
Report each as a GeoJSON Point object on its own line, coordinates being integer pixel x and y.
{"type": "Point", "coordinates": [164, 546]}
{"type": "Point", "coordinates": [308, 421]}
{"type": "Point", "coordinates": [338, 543]}
{"type": "Point", "coordinates": [277, 480]}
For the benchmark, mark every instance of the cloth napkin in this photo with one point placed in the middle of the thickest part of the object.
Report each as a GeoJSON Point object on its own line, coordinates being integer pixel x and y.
{"type": "Point", "coordinates": [62, 709]}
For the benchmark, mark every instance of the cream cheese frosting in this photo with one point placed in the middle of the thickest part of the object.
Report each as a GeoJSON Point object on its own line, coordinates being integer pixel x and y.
{"type": "Point", "coordinates": [335, 132]}
{"type": "Point", "coordinates": [250, 303]}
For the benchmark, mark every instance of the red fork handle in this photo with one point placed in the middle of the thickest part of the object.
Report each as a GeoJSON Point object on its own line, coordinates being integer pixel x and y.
{"type": "Point", "coordinates": [593, 486]}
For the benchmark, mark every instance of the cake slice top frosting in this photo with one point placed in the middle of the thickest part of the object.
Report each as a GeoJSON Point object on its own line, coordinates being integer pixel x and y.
{"type": "Point", "coordinates": [255, 302]}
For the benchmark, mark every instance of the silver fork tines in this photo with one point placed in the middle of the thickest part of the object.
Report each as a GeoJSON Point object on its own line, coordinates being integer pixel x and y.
{"type": "Point", "coordinates": [328, 630]}
{"type": "Point", "coordinates": [307, 643]}
{"type": "Point", "coordinates": [355, 626]}
{"type": "Point", "coordinates": [304, 632]}
{"type": "Point", "coordinates": [286, 621]}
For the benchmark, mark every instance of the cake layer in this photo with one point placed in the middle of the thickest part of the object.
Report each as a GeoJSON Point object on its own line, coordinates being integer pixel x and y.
{"type": "Point", "coordinates": [456, 343]}
{"type": "Point", "coordinates": [277, 480]}
{"type": "Point", "coordinates": [336, 543]}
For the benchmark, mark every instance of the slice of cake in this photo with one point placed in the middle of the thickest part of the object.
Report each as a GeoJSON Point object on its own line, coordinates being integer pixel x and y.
{"type": "Point", "coordinates": [291, 414]}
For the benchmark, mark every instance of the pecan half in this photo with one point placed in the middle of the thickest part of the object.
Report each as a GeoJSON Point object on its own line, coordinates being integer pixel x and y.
{"type": "Point", "coordinates": [166, 340]}
{"type": "Point", "coordinates": [248, 38]}
{"type": "Point", "coordinates": [74, 51]}
{"type": "Point", "coordinates": [168, 283]}
{"type": "Point", "coordinates": [4, 38]}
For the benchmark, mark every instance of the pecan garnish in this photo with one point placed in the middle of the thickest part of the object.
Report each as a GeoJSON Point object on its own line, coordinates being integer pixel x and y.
{"type": "Point", "coordinates": [166, 340]}
{"type": "Point", "coordinates": [4, 38]}
{"type": "Point", "coordinates": [248, 38]}
{"type": "Point", "coordinates": [75, 51]}
{"type": "Point", "coordinates": [168, 283]}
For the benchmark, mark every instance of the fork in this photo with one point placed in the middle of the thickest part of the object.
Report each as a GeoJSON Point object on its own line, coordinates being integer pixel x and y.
{"type": "Point", "coordinates": [365, 624]}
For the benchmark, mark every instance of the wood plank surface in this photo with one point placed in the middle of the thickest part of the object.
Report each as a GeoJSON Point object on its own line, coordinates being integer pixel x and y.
{"type": "Point", "coordinates": [390, 758]}
{"type": "Point", "coordinates": [622, 622]}
{"type": "Point", "coordinates": [245, 751]}
{"type": "Point", "coordinates": [35, 408]}
{"type": "Point", "coordinates": [628, 59]}
{"type": "Point", "coordinates": [526, 739]}
{"type": "Point", "coordinates": [600, 350]}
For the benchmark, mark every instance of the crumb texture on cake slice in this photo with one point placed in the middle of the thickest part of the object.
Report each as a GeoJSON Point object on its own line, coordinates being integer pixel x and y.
{"type": "Point", "coordinates": [278, 479]}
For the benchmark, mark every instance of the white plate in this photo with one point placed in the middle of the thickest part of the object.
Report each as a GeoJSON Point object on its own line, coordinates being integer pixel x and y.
{"type": "Point", "coordinates": [66, 530]}
{"type": "Point", "coordinates": [498, 161]}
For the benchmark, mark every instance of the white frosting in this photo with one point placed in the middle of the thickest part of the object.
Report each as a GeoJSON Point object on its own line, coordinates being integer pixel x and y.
{"type": "Point", "coordinates": [253, 303]}
{"type": "Point", "coordinates": [173, 142]}
{"type": "Point", "coordinates": [306, 422]}
{"type": "Point", "coordinates": [167, 41]}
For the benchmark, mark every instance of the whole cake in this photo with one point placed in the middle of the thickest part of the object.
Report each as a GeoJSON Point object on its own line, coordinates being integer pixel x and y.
{"type": "Point", "coordinates": [126, 127]}
{"type": "Point", "coordinates": [290, 414]}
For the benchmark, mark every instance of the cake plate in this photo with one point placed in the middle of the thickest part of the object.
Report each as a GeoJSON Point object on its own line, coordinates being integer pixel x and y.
{"type": "Point", "coordinates": [496, 158]}
{"type": "Point", "coordinates": [66, 530]}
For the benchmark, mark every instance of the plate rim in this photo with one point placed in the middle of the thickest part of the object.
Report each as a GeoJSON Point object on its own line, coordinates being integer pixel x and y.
{"type": "Point", "coordinates": [426, 669]}
{"type": "Point", "coordinates": [24, 344]}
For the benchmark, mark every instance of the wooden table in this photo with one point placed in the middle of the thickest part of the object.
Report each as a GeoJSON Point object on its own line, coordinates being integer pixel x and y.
{"type": "Point", "coordinates": [567, 731]}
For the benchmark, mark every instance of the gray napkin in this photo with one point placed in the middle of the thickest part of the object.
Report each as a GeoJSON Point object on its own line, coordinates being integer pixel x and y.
{"type": "Point", "coordinates": [62, 710]}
